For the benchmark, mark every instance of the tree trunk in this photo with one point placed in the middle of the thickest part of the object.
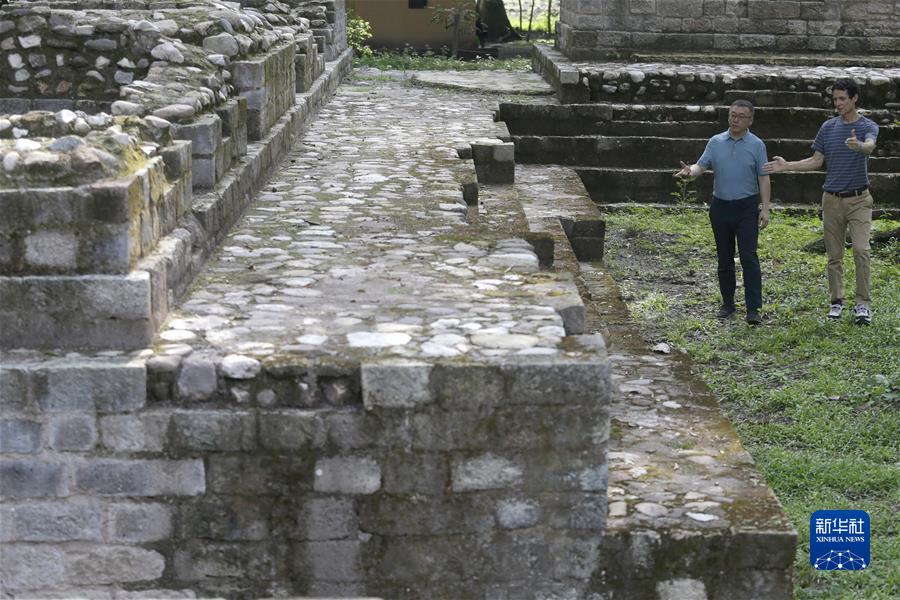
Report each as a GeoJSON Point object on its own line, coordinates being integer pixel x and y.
{"type": "Point", "coordinates": [493, 14]}
{"type": "Point", "coordinates": [549, 24]}
{"type": "Point", "coordinates": [530, 21]}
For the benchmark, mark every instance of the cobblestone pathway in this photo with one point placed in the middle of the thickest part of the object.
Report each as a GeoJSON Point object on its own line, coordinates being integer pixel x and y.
{"type": "Point", "coordinates": [361, 244]}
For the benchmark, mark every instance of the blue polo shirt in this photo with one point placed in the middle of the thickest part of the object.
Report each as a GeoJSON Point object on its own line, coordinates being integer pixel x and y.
{"type": "Point", "coordinates": [736, 163]}
{"type": "Point", "coordinates": [845, 169]}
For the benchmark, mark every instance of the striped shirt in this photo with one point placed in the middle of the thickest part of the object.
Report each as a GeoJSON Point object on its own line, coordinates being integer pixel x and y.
{"type": "Point", "coordinates": [845, 169]}
{"type": "Point", "coordinates": [736, 164]}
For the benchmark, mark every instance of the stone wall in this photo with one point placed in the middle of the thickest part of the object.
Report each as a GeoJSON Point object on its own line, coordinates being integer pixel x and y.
{"type": "Point", "coordinates": [604, 28]}
{"type": "Point", "coordinates": [269, 84]}
{"type": "Point", "coordinates": [101, 228]}
{"type": "Point", "coordinates": [221, 476]}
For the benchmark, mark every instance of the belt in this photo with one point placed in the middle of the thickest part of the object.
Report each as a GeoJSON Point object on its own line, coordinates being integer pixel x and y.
{"type": "Point", "coordinates": [850, 193]}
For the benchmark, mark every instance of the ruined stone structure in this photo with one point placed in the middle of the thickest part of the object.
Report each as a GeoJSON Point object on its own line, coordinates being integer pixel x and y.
{"type": "Point", "coordinates": [686, 62]}
{"type": "Point", "coordinates": [250, 353]}
{"type": "Point", "coordinates": [616, 28]}
{"type": "Point", "coordinates": [326, 429]}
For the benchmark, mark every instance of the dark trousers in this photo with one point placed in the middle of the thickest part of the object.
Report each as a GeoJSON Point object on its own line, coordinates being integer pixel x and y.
{"type": "Point", "coordinates": [737, 220]}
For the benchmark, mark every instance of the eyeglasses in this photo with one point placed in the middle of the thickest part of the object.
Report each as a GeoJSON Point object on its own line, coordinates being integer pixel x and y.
{"type": "Point", "coordinates": [739, 117]}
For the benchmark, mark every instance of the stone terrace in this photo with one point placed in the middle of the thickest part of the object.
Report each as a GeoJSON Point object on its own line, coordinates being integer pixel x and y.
{"type": "Point", "coordinates": [614, 112]}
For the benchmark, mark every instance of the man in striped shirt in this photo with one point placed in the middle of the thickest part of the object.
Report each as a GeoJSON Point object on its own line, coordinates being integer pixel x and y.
{"type": "Point", "coordinates": [844, 144]}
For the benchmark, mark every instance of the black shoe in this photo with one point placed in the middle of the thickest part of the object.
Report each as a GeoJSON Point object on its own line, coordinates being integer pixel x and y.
{"type": "Point", "coordinates": [753, 317]}
{"type": "Point", "coordinates": [725, 311]}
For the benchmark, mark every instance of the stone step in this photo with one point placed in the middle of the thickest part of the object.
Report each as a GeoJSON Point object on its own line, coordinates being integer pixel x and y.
{"type": "Point", "coordinates": [783, 59]}
{"type": "Point", "coordinates": [703, 80]}
{"type": "Point", "coordinates": [645, 152]}
{"type": "Point", "coordinates": [613, 185]}
{"type": "Point", "coordinates": [779, 98]}
{"type": "Point", "coordinates": [670, 120]}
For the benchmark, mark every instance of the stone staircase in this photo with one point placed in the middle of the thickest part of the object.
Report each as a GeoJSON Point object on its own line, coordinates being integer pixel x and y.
{"type": "Point", "coordinates": [624, 127]}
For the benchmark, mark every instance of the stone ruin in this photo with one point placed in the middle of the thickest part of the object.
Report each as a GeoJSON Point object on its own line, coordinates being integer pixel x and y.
{"type": "Point", "coordinates": [594, 29]}
{"type": "Point", "coordinates": [139, 462]}
{"type": "Point", "coordinates": [122, 115]}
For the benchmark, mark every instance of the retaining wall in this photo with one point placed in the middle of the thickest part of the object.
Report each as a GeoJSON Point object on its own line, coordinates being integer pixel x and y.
{"type": "Point", "coordinates": [601, 28]}
{"type": "Point", "coordinates": [221, 476]}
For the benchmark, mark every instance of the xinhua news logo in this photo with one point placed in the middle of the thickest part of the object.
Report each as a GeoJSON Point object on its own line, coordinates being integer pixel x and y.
{"type": "Point", "coordinates": [839, 540]}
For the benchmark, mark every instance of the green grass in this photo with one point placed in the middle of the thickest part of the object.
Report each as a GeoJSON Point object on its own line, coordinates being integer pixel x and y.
{"type": "Point", "coordinates": [817, 403]}
{"type": "Point", "coordinates": [431, 61]}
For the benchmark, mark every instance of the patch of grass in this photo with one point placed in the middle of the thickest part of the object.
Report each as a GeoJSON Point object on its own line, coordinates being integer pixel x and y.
{"type": "Point", "coordinates": [817, 403]}
{"type": "Point", "coordinates": [408, 60]}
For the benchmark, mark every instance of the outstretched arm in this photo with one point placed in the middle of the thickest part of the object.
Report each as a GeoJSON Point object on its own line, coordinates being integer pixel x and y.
{"type": "Point", "coordinates": [694, 170]}
{"type": "Point", "coordinates": [778, 164]}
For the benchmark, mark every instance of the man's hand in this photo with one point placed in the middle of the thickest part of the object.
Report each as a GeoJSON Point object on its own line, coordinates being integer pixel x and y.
{"type": "Point", "coordinates": [764, 218]}
{"type": "Point", "coordinates": [685, 170]}
{"type": "Point", "coordinates": [776, 165]}
{"type": "Point", "coordinates": [852, 142]}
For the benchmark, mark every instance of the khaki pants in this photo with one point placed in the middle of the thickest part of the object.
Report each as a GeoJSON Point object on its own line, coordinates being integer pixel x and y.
{"type": "Point", "coordinates": [838, 214]}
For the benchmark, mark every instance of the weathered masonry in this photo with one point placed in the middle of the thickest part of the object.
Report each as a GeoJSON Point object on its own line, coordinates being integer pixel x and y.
{"type": "Point", "coordinates": [394, 394]}
{"type": "Point", "coordinates": [616, 28]}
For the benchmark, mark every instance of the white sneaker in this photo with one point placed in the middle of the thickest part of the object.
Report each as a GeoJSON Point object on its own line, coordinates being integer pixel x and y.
{"type": "Point", "coordinates": [836, 310]}
{"type": "Point", "coordinates": [863, 314]}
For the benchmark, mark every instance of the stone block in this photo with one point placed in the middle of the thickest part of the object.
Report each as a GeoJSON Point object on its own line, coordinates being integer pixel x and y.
{"type": "Point", "coordinates": [197, 379]}
{"type": "Point", "coordinates": [572, 383]}
{"type": "Point", "coordinates": [203, 172]}
{"type": "Point", "coordinates": [227, 518]}
{"type": "Point", "coordinates": [15, 392]}
{"type": "Point", "coordinates": [334, 561]}
{"type": "Point", "coordinates": [347, 475]}
{"type": "Point", "coordinates": [494, 161]}
{"type": "Point", "coordinates": [518, 514]}
{"type": "Point", "coordinates": [204, 560]}
{"type": "Point", "coordinates": [467, 387]}
{"type": "Point", "coordinates": [248, 74]}
{"type": "Point", "coordinates": [215, 431]}
{"type": "Point", "coordinates": [20, 436]}
{"type": "Point", "coordinates": [142, 477]}
{"type": "Point", "coordinates": [56, 249]}
{"type": "Point", "coordinates": [146, 432]}
{"type": "Point", "coordinates": [328, 519]}
{"type": "Point", "coordinates": [24, 567]}
{"type": "Point", "coordinates": [113, 564]}
{"type": "Point", "coordinates": [32, 479]}
{"type": "Point", "coordinates": [139, 523]}
{"type": "Point", "coordinates": [115, 312]}
{"type": "Point", "coordinates": [681, 589]}
{"type": "Point", "coordinates": [260, 475]}
{"type": "Point", "coordinates": [72, 432]}
{"type": "Point", "coordinates": [204, 133]}
{"type": "Point", "coordinates": [105, 387]}
{"type": "Point", "coordinates": [396, 384]}
{"type": "Point", "coordinates": [487, 472]}
{"type": "Point", "coordinates": [291, 430]}
{"type": "Point", "coordinates": [51, 522]}
{"type": "Point", "coordinates": [415, 473]}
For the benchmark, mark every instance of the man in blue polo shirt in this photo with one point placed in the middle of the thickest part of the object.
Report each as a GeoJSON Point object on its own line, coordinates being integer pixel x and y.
{"type": "Point", "coordinates": [736, 157]}
{"type": "Point", "coordinates": [844, 143]}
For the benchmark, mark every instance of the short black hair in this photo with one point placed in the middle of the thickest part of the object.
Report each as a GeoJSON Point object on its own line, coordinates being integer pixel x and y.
{"type": "Point", "coordinates": [847, 85]}
{"type": "Point", "coordinates": [744, 104]}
